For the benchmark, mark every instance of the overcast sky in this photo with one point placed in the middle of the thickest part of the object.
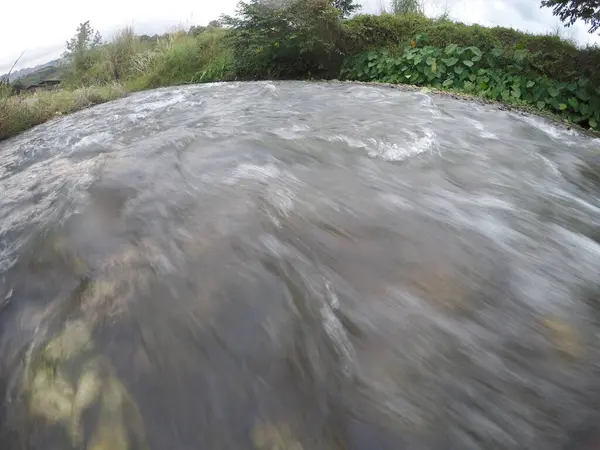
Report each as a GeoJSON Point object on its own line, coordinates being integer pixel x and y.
{"type": "Point", "coordinates": [42, 28]}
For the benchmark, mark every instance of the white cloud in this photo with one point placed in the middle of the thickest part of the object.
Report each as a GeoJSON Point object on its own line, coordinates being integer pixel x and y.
{"type": "Point", "coordinates": [42, 35]}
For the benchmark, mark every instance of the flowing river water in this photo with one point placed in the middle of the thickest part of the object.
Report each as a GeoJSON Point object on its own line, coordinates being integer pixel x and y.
{"type": "Point", "coordinates": [295, 266]}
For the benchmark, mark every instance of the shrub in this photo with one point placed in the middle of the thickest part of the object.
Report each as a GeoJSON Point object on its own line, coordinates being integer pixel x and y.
{"type": "Point", "coordinates": [289, 39]}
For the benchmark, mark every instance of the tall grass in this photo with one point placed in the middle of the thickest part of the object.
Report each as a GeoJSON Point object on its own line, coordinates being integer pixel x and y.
{"type": "Point", "coordinates": [175, 59]}
{"type": "Point", "coordinates": [21, 112]}
{"type": "Point", "coordinates": [184, 59]}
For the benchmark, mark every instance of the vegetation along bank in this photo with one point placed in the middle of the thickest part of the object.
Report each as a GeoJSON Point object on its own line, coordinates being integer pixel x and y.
{"type": "Point", "coordinates": [325, 39]}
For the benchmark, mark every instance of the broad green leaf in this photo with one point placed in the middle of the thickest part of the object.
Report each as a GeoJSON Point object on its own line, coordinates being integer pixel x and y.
{"type": "Point", "coordinates": [530, 84]}
{"type": "Point", "coordinates": [468, 63]}
{"type": "Point", "coordinates": [450, 49]}
{"type": "Point", "coordinates": [497, 52]}
{"type": "Point", "coordinates": [458, 70]}
{"type": "Point", "coordinates": [583, 95]}
{"type": "Point", "coordinates": [476, 58]}
{"type": "Point", "coordinates": [448, 82]}
{"type": "Point", "coordinates": [520, 55]}
{"type": "Point", "coordinates": [562, 106]}
{"type": "Point", "coordinates": [476, 51]}
{"type": "Point", "coordinates": [450, 61]}
{"type": "Point", "coordinates": [583, 82]}
{"type": "Point", "coordinates": [516, 92]}
{"type": "Point", "coordinates": [573, 103]}
{"type": "Point", "coordinates": [584, 109]}
{"type": "Point", "coordinates": [434, 67]}
{"type": "Point", "coordinates": [553, 92]}
{"type": "Point", "coordinates": [593, 123]}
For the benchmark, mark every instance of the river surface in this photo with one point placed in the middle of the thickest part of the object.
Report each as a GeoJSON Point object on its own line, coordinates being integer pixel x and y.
{"type": "Point", "coordinates": [288, 266]}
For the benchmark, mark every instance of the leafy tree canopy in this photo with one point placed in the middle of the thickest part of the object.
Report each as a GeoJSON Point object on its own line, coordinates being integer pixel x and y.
{"type": "Point", "coordinates": [346, 7]}
{"type": "Point", "coordinates": [85, 39]}
{"type": "Point", "coordinates": [571, 10]}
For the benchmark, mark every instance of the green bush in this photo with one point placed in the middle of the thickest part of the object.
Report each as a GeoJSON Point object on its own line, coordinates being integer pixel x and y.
{"type": "Point", "coordinates": [289, 39]}
{"type": "Point", "coordinates": [548, 55]}
{"type": "Point", "coordinates": [494, 74]}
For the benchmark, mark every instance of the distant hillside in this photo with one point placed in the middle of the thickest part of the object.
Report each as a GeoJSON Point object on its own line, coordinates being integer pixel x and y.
{"type": "Point", "coordinates": [22, 73]}
{"type": "Point", "coordinates": [45, 73]}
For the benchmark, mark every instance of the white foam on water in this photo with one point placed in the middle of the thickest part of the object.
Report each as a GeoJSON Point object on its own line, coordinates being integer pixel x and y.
{"type": "Point", "coordinates": [395, 201]}
{"type": "Point", "coordinates": [427, 103]}
{"type": "Point", "coordinates": [350, 141]}
{"type": "Point", "coordinates": [482, 132]}
{"type": "Point", "coordinates": [162, 101]}
{"type": "Point", "coordinates": [246, 171]}
{"type": "Point", "coordinates": [553, 131]}
{"type": "Point", "coordinates": [291, 133]}
{"type": "Point", "coordinates": [282, 198]}
{"type": "Point", "coordinates": [91, 139]}
{"type": "Point", "coordinates": [567, 195]}
{"type": "Point", "coordinates": [279, 193]}
{"type": "Point", "coordinates": [269, 85]}
{"type": "Point", "coordinates": [390, 151]}
{"type": "Point", "coordinates": [337, 333]}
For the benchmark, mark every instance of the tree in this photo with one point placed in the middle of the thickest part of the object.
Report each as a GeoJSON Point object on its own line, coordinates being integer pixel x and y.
{"type": "Point", "coordinates": [81, 52]}
{"type": "Point", "coordinates": [346, 7]}
{"type": "Point", "coordinates": [571, 10]}
{"type": "Point", "coordinates": [214, 24]}
{"type": "Point", "coordinates": [407, 7]}
{"type": "Point", "coordinates": [284, 38]}
{"type": "Point", "coordinates": [86, 38]}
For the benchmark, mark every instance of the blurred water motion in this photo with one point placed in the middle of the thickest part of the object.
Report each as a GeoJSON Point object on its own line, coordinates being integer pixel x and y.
{"type": "Point", "coordinates": [299, 266]}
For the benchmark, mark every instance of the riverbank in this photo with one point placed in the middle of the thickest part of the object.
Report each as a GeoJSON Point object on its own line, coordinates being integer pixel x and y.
{"type": "Point", "coordinates": [543, 75]}
{"type": "Point", "coordinates": [22, 112]}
